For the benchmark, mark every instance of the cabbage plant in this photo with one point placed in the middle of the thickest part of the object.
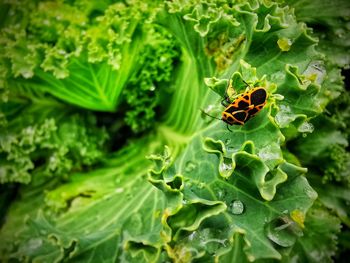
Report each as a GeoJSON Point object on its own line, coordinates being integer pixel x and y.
{"type": "Point", "coordinates": [111, 143]}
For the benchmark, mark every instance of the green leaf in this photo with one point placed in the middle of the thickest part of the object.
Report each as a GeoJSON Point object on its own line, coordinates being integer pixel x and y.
{"type": "Point", "coordinates": [47, 139]}
{"type": "Point", "coordinates": [318, 244]}
{"type": "Point", "coordinates": [330, 25]}
{"type": "Point", "coordinates": [82, 61]}
{"type": "Point", "coordinates": [100, 215]}
{"type": "Point", "coordinates": [205, 182]}
{"type": "Point", "coordinates": [223, 195]}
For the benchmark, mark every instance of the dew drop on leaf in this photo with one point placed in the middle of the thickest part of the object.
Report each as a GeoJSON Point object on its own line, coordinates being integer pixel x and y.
{"type": "Point", "coordinates": [306, 127]}
{"type": "Point", "coordinates": [119, 190]}
{"type": "Point", "coordinates": [284, 44]}
{"type": "Point", "coordinates": [284, 116]}
{"type": "Point", "coordinates": [229, 148]}
{"type": "Point", "coordinates": [277, 76]}
{"type": "Point", "coordinates": [221, 194]}
{"type": "Point", "coordinates": [310, 193]}
{"type": "Point", "coordinates": [209, 108]}
{"type": "Point", "coordinates": [298, 217]}
{"type": "Point", "coordinates": [201, 185]}
{"type": "Point", "coordinates": [269, 153]}
{"type": "Point", "coordinates": [190, 166]}
{"type": "Point", "coordinates": [315, 72]}
{"type": "Point", "coordinates": [225, 168]}
{"type": "Point", "coordinates": [236, 207]}
{"type": "Point", "coordinates": [283, 231]}
{"type": "Point", "coordinates": [27, 74]}
{"type": "Point", "coordinates": [34, 243]}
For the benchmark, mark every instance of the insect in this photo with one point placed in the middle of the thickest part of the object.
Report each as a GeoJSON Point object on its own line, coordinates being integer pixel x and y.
{"type": "Point", "coordinates": [243, 107]}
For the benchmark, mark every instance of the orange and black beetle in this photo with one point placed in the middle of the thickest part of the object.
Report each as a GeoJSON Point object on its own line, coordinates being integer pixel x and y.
{"type": "Point", "coordinates": [244, 106]}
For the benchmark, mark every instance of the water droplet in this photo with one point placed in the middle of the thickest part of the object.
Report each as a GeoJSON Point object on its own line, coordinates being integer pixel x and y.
{"type": "Point", "coordinates": [310, 193]}
{"type": "Point", "coordinates": [34, 243]}
{"type": "Point", "coordinates": [221, 194]}
{"type": "Point", "coordinates": [61, 52]}
{"type": "Point", "coordinates": [201, 185]}
{"type": "Point", "coordinates": [251, 258]}
{"type": "Point", "coordinates": [298, 217]}
{"type": "Point", "coordinates": [284, 44]}
{"type": "Point", "coordinates": [283, 231]}
{"type": "Point", "coordinates": [209, 108]}
{"type": "Point", "coordinates": [315, 72]}
{"type": "Point", "coordinates": [229, 148]}
{"type": "Point", "coordinates": [225, 168]}
{"type": "Point", "coordinates": [119, 190]}
{"type": "Point", "coordinates": [284, 116]}
{"type": "Point", "coordinates": [190, 166]}
{"type": "Point", "coordinates": [227, 141]}
{"type": "Point", "coordinates": [192, 236]}
{"type": "Point", "coordinates": [278, 96]}
{"type": "Point", "coordinates": [236, 207]}
{"type": "Point", "coordinates": [27, 74]}
{"type": "Point", "coordinates": [277, 76]}
{"type": "Point", "coordinates": [340, 32]}
{"type": "Point", "coordinates": [306, 127]}
{"type": "Point", "coordinates": [269, 153]}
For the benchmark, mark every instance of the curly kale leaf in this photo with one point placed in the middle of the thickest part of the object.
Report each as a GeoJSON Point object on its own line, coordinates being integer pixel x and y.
{"type": "Point", "coordinates": [144, 93]}
{"type": "Point", "coordinates": [82, 52]}
{"type": "Point", "coordinates": [47, 140]}
{"type": "Point", "coordinates": [228, 196]}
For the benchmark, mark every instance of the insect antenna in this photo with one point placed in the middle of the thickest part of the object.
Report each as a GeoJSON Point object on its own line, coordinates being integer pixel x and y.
{"type": "Point", "coordinates": [209, 115]}
{"type": "Point", "coordinates": [245, 82]}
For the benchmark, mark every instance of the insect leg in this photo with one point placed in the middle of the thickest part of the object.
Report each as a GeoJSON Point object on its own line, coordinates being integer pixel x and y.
{"type": "Point", "coordinates": [227, 98]}
{"type": "Point", "coordinates": [245, 83]}
{"type": "Point", "coordinates": [209, 115]}
{"type": "Point", "coordinates": [225, 102]}
{"type": "Point", "coordinates": [229, 85]}
{"type": "Point", "coordinates": [228, 127]}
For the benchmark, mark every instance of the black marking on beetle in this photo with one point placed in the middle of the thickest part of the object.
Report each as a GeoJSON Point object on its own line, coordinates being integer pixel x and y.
{"type": "Point", "coordinates": [231, 109]}
{"type": "Point", "coordinates": [230, 119]}
{"type": "Point", "coordinates": [242, 105]}
{"type": "Point", "coordinates": [253, 111]}
{"type": "Point", "coordinates": [258, 97]}
{"type": "Point", "coordinates": [240, 116]}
